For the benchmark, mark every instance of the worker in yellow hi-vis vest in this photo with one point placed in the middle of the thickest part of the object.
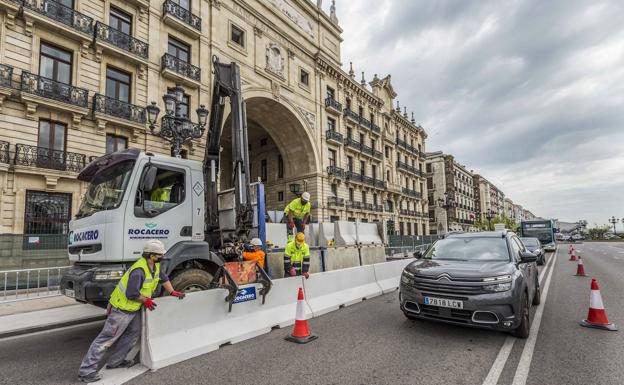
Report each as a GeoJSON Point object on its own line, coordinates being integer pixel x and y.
{"type": "Point", "coordinates": [297, 214]}
{"type": "Point", "coordinates": [123, 325]}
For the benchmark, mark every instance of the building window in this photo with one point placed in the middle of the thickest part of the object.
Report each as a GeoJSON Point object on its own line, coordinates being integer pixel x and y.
{"type": "Point", "coordinates": [118, 85]}
{"type": "Point", "coordinates": [51, 143]}
{"type": "Point", "coordinates": [350, 163]}
{"type": "Point", "coordinates": [361, 138]}
{"type": "Point", "coordinates": [280, 166]}
{"type": "Point", "coordinates": [55, 64]}
{"type": "Point", "coordinates": [348, 103]}
{"type": "Point", "coordinates": [361, 111]}
{"type": "Point", "coordinates": [48, 214]}
{"type": "Point", "coordinates": [280, 196]}
{"type": "Point", "coordinates": [184, 105]}
{"type": "Point", "coordinates": [331, 124]}
{"type": "Point", "coordinates": [330, 93]}
{"type": "Point", "coordinates": [334, 189]}
{"type": "Point", "coordinates": [364, 197]}
{"type": "Point", "coordinates": [304, 77]}
{"type": "Point", "coordinates": [115, 143]}
{"type": "Point", "coordinates": [238, 36]}
{"type": "Point", "coordinates": [334, 218]}
{"type": "Point", "coordinates": [372, 118]}
{"type": "Point", "coordinates": [374, 171]}
{"type": "Point", "coordinates": [120, 20]}
{"type": "Point", "coordinates": [351, 195]}
{"type": "Point", "coordinates": [67, 3]}
{"type": "Point", "coordinates": [183, 3]}
{"type": "Point", "coordinates": [375, 199]}
{"type": "Point", "coordinates": [179, 50]}
{"type": "Point", "coordinates": [428, 167]}
{"type": "Point", "coordinates": [387, 175]}
{"type": "Point", "coordinates": [373, 143]}
{"type": "Point", "coordinates": [387, 150]}
{"type": "Point", "coordinates": [332, 158]}
{"type": "Point", "coordinates": [263, 170]}
{"type": "Point", "coordinates": [349, 132]}
{"type": "Point", "coordinates": [362, 167]}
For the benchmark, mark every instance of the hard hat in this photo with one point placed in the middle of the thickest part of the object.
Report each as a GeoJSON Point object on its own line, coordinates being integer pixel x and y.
{"type": "Point", "coordinates": [256, 242]}
{"type": "Point", "coordinates": [300, 238]}
{"type": "Point", "coordinates": [305, 196]}
{"type": "Point", "coordinates": [154, 246]}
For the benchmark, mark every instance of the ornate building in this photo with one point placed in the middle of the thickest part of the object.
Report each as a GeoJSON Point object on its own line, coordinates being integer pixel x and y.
{"type": "Point", "coordinates": [76, 76]}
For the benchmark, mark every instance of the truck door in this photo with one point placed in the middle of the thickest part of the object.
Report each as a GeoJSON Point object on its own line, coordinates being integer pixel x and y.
{"type": "Point", "coordinates": [164, 212]}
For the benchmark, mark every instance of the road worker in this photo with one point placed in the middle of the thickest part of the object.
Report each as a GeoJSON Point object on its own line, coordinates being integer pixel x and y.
{"type": "Point", "coordinates": [123, 324]}
{"type": "Point", "coordinates": [297, 214]}
{"type": "Point", "coordinates": [255, 254]}
{"type": "Point", "coordinates": [297, 257]}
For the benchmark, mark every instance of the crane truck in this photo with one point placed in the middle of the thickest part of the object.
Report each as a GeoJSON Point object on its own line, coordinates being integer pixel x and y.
{"type": "Point", "coordinates": [202, 227]}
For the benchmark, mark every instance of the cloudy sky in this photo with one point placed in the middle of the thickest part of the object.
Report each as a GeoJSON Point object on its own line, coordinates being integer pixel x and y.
{"type": "Point", "coordinates": [530, 94]}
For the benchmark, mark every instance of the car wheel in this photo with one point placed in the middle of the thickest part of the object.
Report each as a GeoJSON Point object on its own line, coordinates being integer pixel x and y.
{"type": "Point", "coordinates": [537, 297]}
{"type": "Point", "coordinates": [523, 330]}
{"type": "Point", "coordinates": [540, 260]}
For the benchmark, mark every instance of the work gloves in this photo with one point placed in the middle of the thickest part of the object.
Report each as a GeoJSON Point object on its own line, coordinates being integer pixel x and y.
{"type": "Point", "coordinates": [149, 304]}
{"type": "Point", "coordinates": [291, 225]}
{"type": "Point", "coordinates": [306, 275]}
{"type": "Point", "coordinates": [292, 272]}
{"type": "Point", "coordinates": [178, 294]}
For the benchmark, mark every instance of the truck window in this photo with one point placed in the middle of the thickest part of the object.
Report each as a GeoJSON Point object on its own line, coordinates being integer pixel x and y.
{"type": "Point", "coordinates": [168, 191]}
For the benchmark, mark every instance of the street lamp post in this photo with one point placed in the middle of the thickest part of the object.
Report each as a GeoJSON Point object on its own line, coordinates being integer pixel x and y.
{"type": "Point", "coordinates": [446, 203]}
{"type": "Point", "coordinates": [175, 128]}
{"type": "Point", "coordinates": [613, 221]}
{"type": "Point", "coordinates": [490, 215]}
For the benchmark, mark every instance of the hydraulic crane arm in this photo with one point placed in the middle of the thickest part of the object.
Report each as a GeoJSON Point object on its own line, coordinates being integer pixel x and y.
{"type": "Point", "coordinates": [227, 84]}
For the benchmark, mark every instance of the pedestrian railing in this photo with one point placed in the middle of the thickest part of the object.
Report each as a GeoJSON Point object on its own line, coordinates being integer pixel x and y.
{"type": "Point", "coordinates": [24, 284]}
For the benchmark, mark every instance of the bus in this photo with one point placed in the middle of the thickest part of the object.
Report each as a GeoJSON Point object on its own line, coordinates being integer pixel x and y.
{"type": "Point", "coordinates": [542, 229]}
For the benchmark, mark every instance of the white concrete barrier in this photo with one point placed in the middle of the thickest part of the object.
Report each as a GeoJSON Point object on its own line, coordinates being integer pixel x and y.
{"type": "Point", "coordinates": [372, 254]}
{"type": "Point", "coordinates": [345, 233]}
{"type": "Point", "coordinates": [312, 234]}
{"type": "Point", "coordinates": [330, 290]}
{"type": "Point", "coordinates": [368, 234]}
{"type": "Point", "coordinates": [326, 234]}
{"type": "Point", "coordinates": [341, 257]}
{"type": "Point", "coordinates": [388, 274]}
{"type": "Point", "coordinates": [276, 234]}
{"type": "Point", "coordinates": [179, 330]}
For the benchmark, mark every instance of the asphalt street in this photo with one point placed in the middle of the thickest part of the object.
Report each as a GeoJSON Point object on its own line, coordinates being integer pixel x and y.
{"type": "Point", "coordinates": [373, 343]}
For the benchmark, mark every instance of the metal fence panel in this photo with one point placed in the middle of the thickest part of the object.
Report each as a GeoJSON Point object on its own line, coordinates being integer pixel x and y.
{"type": "Point", "coordinates": [24, 284]}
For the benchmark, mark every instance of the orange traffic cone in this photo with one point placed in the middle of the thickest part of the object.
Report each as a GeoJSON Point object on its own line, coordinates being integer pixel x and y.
{"type": "Point", "coordinates": [597, 316]}
{"type": "Point", "coordinates": [580, 269]}
{"type": "Point", "coordinates": [301, 333]}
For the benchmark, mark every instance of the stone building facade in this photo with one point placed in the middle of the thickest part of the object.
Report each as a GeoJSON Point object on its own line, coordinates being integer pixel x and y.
{"type": "Point", "coordinates": [489, 198]}
{"type": "Point", "coordinates": [76, 75]}
{"type": "Point", "coordinates": [450, 183]}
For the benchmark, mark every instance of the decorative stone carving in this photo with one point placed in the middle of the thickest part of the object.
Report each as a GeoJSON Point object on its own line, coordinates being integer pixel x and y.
{"type": "Point", "coordinates": [309, 117]}
{"type": "Point", "coordinates": [274, 60]}
{"type": "Point", "coordinates": [290, 12]}
{"type": "Point", "coordinates": [257, 31]}
{"type": "Point", "coordinates": [275, 89]}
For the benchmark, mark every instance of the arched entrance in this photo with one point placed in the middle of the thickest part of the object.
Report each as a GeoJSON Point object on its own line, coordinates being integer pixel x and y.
{"type": "Point", "coordinates": [281, 152]}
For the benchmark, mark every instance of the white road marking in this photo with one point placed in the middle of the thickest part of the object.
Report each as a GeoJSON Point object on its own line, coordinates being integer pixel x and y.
{"type": "Point", "coordinates": [503, 354]}
{"type": "Point", "coordinates": [524, 366]}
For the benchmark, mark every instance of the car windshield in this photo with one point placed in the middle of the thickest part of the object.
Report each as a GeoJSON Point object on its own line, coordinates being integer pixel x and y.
{"type": "Point", "coordinates": [476, 249]}
{"type": "Point", "coordinates": [533, 242]}
{"type": "Point", "coordinates": [106, 190]}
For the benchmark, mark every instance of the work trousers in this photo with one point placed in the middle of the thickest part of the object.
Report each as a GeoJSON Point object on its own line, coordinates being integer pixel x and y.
{"type": "Point", "coordinates": [121, 327]}
{"type": "Point", "coordinates": [298, 228]}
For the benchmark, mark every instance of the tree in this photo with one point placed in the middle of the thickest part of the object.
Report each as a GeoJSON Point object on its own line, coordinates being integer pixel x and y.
{"type": "Point", "coordinates": [598, 233]}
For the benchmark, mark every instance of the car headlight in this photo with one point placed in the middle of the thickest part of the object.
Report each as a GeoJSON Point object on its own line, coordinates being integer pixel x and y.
{"type": "Point", "coordinates": [498, 287]}
{"type": "Point", "coordinates": [107, 275]}
{"type": "Point", "coordinates": [406, 277]}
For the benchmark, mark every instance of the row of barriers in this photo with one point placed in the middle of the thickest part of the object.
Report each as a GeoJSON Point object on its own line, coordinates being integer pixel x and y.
{"type": "Point", "coordinates": [180, 330]}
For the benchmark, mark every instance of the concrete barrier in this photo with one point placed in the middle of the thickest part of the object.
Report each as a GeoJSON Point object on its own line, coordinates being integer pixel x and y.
{"type": "Point", "coordinates": [326, 234]}
{"type": "Point", "coordinates": [312, 234]}
{"type": "Point", "coordinates": [345, 233]}
{"type": "Point", "coordinates": [372, 254]}
{"type": "Point", "coordinates": [341, 257]}
{"type": "Point", "coordinates": [368, 234]}
{"type": "Point", "coordinates": [201, 323]}
{"type": "Point", "coordinates": [275, 260]}
{"type": "Point", "coordinates": [388, 274]}
{"type": "Point", "coordinates": [331, 290]}
{"type": "Point", "coordinates": [276, 234]}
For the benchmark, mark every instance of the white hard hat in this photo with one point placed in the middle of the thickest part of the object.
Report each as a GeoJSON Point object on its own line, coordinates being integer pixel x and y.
{"type": "Point", "coordinates": [154, 246]}
{"type": "Point", "coordinates": [256, 242]}
{"type": "Point", "coordinates": [305, 196]}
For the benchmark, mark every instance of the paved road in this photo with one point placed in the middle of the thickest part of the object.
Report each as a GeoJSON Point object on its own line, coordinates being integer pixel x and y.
{"type": "Point", "coordinates": [372, 342]}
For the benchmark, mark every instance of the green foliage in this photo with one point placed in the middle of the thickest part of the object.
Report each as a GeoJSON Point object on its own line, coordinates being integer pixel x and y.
{"type": "Point", "coordinates": [598, 233]}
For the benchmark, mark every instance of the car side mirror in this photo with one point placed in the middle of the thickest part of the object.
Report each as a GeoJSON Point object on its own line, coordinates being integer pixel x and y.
{"type": "Point", "coordinates": [149, 178]}
{"type": "Point", "coordinates": [527, 257]}
{"type": "Point", "coordinates": [418, 254]}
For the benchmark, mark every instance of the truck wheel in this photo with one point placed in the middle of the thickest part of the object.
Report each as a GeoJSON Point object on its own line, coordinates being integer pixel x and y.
{"type": "Point", "coordinates": [525, 326]}
{"type": "Point", "coordinates": [191, 280]}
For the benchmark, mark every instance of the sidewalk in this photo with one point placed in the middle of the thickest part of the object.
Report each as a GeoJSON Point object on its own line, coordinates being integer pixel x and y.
{"type": "Point", "coordinates": [35, 315]}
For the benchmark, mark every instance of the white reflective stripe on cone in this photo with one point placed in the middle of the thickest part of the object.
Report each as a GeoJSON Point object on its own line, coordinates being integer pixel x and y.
{"type": "Point", "coordinates": [300, 315]}
{"type": "Point", "coordinates": [595, 300]}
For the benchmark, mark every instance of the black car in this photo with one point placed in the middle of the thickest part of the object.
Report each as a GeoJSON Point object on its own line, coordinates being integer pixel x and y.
{"type": "Point", "coordinates": [534, 246]}
{"type": "Point", "coordinates": [482, 279]}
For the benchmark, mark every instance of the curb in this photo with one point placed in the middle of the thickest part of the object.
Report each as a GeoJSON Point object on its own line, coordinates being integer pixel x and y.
{"type": "Point", "coordinates": [52, 326]}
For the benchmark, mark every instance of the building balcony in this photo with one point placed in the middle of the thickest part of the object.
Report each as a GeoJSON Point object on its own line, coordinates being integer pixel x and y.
{"type": "Point", "coordinates": [380, 184]}
{"type": "Point", "coordinates": [411, 193]}
{"type": "Point", "coordinates": [6, 82]}
{"type": "Point", "coordinates": [332, 105]}
{"type": "Point", "coordinates": [34, 156]}
{"type": "Point", "coordinates": [365, 122]}
{"type": "Point", "coordinates": [351, 115]}
{"type": "Point", "coordinates": [4, 152]}
{"type": "Point", "coordinates": [335, 202]}
{"type": "Point", "coordinates": [182, 19]}
{"type": "Point", "coordinates": [378, 208]}
{"type": "Point", "coordinates": [408, 213]}
{"type": "Point", "coordinates": [375, 128]}
{"type": "Point", "coordinates": [350, 142]}
{"type": "Point", "coordinates": [60, 18]}
{"type": "Point", "coordinates": [40, 90]}
{"type": "Point", "coordinates": [409, 148]}
{"type": "Point", "coordinates": [333, 136]}
{"type": "Point", "coordinates": [335, 171]}
{"type": "Point", "coordinates": [117, 111]}
{"type": "Point", "coordinates": [354, 205]}
{"type": "Point", "coordinates": [353, 176]}
{"type": "Point", "coordinates": [107, 37]}
{"type": "Point", "coordinates": [406, 167]}
{"type": "Point", "coordinates": [180, 71]}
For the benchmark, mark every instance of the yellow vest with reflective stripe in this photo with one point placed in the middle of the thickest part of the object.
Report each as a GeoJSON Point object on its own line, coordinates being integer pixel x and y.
{"type": "Point", "coordinates": [295, 254]}
{"type": "Point", "coordinates": [118, 297]}
{"type": "Point", "coordinates": [298, 210]}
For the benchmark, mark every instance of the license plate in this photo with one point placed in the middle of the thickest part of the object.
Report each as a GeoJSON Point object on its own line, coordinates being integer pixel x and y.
{"type": "Point", "coordinates": [70, 293]}
{"type": "Point", "coordinates": [443, 302]}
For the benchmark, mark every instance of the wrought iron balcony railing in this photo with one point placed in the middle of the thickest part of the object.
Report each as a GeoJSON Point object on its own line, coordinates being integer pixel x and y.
{"type": "Point", "coordinates": [375, 128]}
{"type": "Point", "coordinates": [118, 108]}
{"type": "Point", "coordinates": [378, 208]}
{"type": "Point", "coordinates": [65, 15]}
{"type": "Point", "coordinates": [412, 193]}
{"type": "Point", "coordinates": [4, 152]}
{"type": "Point", "coordinates": [181, 67]}
{"type": "Point", "coordinates": [26, 155]}
{"type": "Point", "coordinates": [6, 75]}
{"type": "Point", "coordinates": [354, 205]}
{"type": "Point", "coordinates": [333, 103]}
{"type": "Point", "coordinates": [408, 147]}
{"type": "Point", "coordinates": [406, 167]}
{"type": "Point", "coordinates": [182, 14]}
{"type": "Point", "coordinates": [121, 40]}
{"type": "Point", "coordinates": [364, 122]}
{"type": "Point", "coordinates": [51, 89]}
{"type": "Point", "coordinates": [350, 114]}
{"type": "Point", "coordinates": [335, 171]}
{"type": "Point", "coordinates": [333, 135]}
{"type": "Point", "coordinates": [335, 202]}
{"type": "Point", "coordinates": [410, 213]}
{"type": "Point", "coordinates": [380, 184]}
{"type": "Point", "coordinates": [354, 176]}
{"type": "Point", "coordinates": [350, 142]}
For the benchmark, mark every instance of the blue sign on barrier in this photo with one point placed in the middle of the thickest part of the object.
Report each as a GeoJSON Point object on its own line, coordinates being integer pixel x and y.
{"type": "Point", "coordinates": [246, 294]}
